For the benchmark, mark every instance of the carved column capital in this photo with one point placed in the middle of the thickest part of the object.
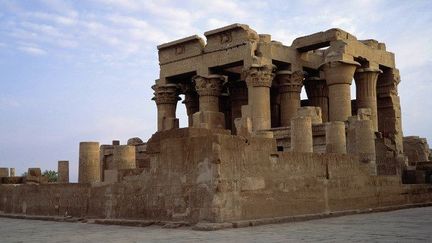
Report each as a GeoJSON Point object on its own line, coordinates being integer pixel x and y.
{"type": "Point", "coordinates": [260, 75]}
{"type": "Point", "coordinates": [339, 72]}
{"type": "Point", "coordinates": [166, 94]}
{"type": "Point", "coordinates": [289, 81]}
{"type": "Point", "coordinates": [209, 86]}
{"type": "Point", "coordinates": [367, 74]}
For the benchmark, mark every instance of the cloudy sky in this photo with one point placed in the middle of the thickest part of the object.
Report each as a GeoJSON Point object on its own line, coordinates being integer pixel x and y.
{"type": "Point", "coordinates": [74, 71]}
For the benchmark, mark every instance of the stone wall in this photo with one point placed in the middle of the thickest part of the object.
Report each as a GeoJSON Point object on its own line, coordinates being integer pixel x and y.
{"type": "Point", "coordinates": [200, 176]}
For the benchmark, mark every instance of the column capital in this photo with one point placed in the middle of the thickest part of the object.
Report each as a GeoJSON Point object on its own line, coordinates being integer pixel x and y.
{"type": "Point", "coordinates": [339, 72]}
{"type": "Point", "coordinates": [368, 70]}
{"type": "Point", "coordinates": [166, 94]}
{"type": "Point", "coordinates": [289, 81]}
{"type": "Point", "coordinates": [210, 85]}
{"type": "Point", "coordinates": [259, 75]}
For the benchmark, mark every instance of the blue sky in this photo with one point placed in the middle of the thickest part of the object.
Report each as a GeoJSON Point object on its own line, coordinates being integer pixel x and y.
{"type": "Point", "coordinates": [76, 71]}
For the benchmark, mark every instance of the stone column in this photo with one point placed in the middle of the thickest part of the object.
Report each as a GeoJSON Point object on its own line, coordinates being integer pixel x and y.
{"type": "Point", "coordinates": [317, 92]}
{"type": "Point", "coordinates": [365, 143]}
{"type": "Point", "coordinates": [301, 134]}
{"type": "Point", "coordinates": [105, 157]}
{"type": "Point", "coordinates": [63, 171]}
{"type": "Point", "coordinates": [339, 75]}
{"type": "Point", "coordinates": [166, 97]}
{"type": "Point", "coordinates": [335, 137]}
{"type": "Point", "coordinates": [124, 157]}
{"type": "Point", "coordinates": [259, 80]}
{"type": "Point", "coordinates": [4, 172]}
{"type": "Point", "coordinates": [209, 89]}
{"type": "Point", "coordinates": [290, 85]}
{"type": "Point", "coordinates": [192, 105]}
{"type": "Point", "coordinates": [239, 97]}
{"type": "Point", "coordinates": [351, 138]}
{"type": "Point", "coordinates": [366, 88]}
{"type": "Point", "coordinates": [89, 164]}
{"type": "Point", "coordinates": [12, 172]}
{"type": "Point", "coordinates": [191, 100]}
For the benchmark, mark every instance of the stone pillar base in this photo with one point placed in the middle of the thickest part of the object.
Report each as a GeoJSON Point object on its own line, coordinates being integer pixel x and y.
{"type": "Point", "coordinates": [209, 120]}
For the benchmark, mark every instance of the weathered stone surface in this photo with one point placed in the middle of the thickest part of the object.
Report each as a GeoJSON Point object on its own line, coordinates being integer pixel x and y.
{"type": "Point", "coordinates": [11, 172]}
{"type": "Point", "coordinates": [416, 148]}
{"type": "Point", "coordinates": [253, 152]}
{"type": "Point", "coordinates": [135, 141]}
{"type": "Point", "coordinates": [63, 171]}
{"type": "Point", "coordinates": [89, 164]}
{"type": "Point", "coordinates": [310, 111]}
{"type": "Point", "coordinates": [4, 172]}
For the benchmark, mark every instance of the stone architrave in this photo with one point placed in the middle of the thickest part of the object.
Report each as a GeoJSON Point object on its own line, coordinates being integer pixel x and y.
{"type": "Point", "coordinates": [290, 85]}
{"type": "Point", "coordinates": [339, 75]}
{"type": "Point", "coordinates": [259, 80]}
{"type": "Point", "coordinates": [366, 91]}
{"type": "Point", "coordinates": [166, 97]}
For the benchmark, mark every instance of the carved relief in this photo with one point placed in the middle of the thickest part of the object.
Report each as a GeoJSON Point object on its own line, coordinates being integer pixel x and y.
{"type": "Point", "coordinates": [179, 49]}
{"type": "Point", "coordinates": [225, 37]}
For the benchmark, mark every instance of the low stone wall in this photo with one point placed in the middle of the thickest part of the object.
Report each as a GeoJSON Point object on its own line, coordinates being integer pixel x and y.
{"type": "Point", "coordinates": [200, 177]}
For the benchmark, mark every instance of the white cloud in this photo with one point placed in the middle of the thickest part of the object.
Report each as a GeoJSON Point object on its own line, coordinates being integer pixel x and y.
{"type": "Point", "coordinates": [35, 51]}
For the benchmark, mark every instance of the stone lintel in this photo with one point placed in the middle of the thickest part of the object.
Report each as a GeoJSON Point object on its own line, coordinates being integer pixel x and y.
{"type": "Point", "coordinates": [229, 37]}
{"type": "Point", "coordinates": [192, 38]}
{"type": "Point", "coordinates": [180, 49]}
{"type": "Point", "coordinates": [321, 39]}
{"type": "Point", "coordinates": [227, 28]}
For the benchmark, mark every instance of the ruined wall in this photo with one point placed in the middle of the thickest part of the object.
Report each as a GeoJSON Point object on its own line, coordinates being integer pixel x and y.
{"type": "Point", "coordinates": [258, 182]}
{"type": "Point", "coordinates": [45, 199]}
{"type": "Point", "coordinates": [197, 175]}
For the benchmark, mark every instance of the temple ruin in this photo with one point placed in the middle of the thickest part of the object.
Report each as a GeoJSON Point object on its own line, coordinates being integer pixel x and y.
{"type": "Point", "coordinates": [253, 148]}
